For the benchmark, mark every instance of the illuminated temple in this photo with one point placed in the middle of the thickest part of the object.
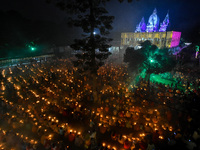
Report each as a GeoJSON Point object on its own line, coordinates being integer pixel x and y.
{"type": "Point", "coordinates": [154, 31]}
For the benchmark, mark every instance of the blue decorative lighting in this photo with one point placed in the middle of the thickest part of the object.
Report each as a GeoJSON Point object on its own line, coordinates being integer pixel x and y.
{"type": "Point", "coordinates": [141, 27]}
{"type": "Point", "coordinates": [153, 24]}
{"type": "Point", "coordinates": [164, 24]}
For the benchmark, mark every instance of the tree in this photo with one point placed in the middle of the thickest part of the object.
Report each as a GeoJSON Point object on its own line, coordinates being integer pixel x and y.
{"type": "Point", "coordinates": [92, 49]}
{"type": "Point", "coordinates": [157, 60]}
{"type": "Point", "coordinates": [134, 58]}
{"type": "Point", "coordinates": [150, 58]}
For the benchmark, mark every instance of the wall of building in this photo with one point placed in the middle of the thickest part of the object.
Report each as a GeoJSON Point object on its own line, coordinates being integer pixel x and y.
{"type": "Point", "coordinates": [167, 39]}
{"type": "Point", "coordinates": [176, 36]}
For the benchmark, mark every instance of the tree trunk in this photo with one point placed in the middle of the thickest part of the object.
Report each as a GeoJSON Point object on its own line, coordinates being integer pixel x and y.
{"type": "Point", "coordinates": [93, 54]}
{"type": "Point", "coordinates": [94, 88]}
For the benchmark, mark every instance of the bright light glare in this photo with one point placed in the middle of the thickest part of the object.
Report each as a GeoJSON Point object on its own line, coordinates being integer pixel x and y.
{"type": "Point", "coordinates": [32, 48]}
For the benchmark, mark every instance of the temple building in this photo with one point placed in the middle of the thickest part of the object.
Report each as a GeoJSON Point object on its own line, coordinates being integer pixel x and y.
{"type": "Point", "coordinates": [154, 31]}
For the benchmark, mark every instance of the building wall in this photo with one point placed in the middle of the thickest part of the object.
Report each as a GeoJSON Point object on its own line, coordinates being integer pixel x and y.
{"type": "Point", "coordinates": [176, 36]}
{"type": "Point", "coordinates": [167, 39]}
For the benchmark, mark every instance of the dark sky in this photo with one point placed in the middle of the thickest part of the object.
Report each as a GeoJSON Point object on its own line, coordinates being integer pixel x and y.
{"type": "Point", "coordinates": [184, 14]}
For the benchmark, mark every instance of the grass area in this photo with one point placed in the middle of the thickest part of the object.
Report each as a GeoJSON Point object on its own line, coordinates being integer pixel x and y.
{"type": "Point", "coordinates": [157, 78]}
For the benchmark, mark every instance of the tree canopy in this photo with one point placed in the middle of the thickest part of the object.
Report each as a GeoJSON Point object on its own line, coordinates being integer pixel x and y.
{"type": "Point", "coordinates": [149, 57]}
{"type": "Point", "coordinates": [92, 17]}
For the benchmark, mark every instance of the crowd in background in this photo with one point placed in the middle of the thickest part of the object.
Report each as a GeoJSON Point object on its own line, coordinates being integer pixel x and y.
{"type": "Point", "coordinates": [51, 105]}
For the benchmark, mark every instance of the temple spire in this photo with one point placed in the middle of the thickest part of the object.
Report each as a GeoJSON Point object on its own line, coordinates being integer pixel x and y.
{"type": "Point", "coordinates": [153, 22]}
{"type": "Point", "coordinates": [141, 27]}
{"type": "Point", "coordinates": [155, 11]}
{"type": "Point", "coordinates": [164, 24]}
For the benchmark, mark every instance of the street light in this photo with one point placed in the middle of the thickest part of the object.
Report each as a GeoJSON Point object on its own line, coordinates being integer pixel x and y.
{"type": "Point", "coordinates": [151, 60]}
{"type": "Point", "coordinates": [33, 48]}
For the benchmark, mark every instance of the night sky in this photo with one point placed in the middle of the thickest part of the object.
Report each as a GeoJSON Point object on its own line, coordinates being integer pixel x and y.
{"type": "Point", "coordinates": [184, 14]}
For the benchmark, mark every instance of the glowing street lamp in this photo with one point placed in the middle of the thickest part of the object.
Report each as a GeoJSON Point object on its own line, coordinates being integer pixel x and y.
{"type": "Point", "coordinates": [33, 48]}
{"type": "Point", "coordinates": [151, 60]}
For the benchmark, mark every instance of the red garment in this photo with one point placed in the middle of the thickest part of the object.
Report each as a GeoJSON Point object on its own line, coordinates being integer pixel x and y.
{"type": "Point", "coordinates": [169, 115]}
{"type": "Point", "coordinates": [64, 113]}
{"type": "Point", "coordinates": [121, 114]}
{"type": "Point", "coordinates": [127, 144]}
{"type": "Point", "coordinates": [103, 129]}
{"type": "Point", "coordinates": [71, 137]}
{"type": "Point", "coordinates": [106, 109]}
